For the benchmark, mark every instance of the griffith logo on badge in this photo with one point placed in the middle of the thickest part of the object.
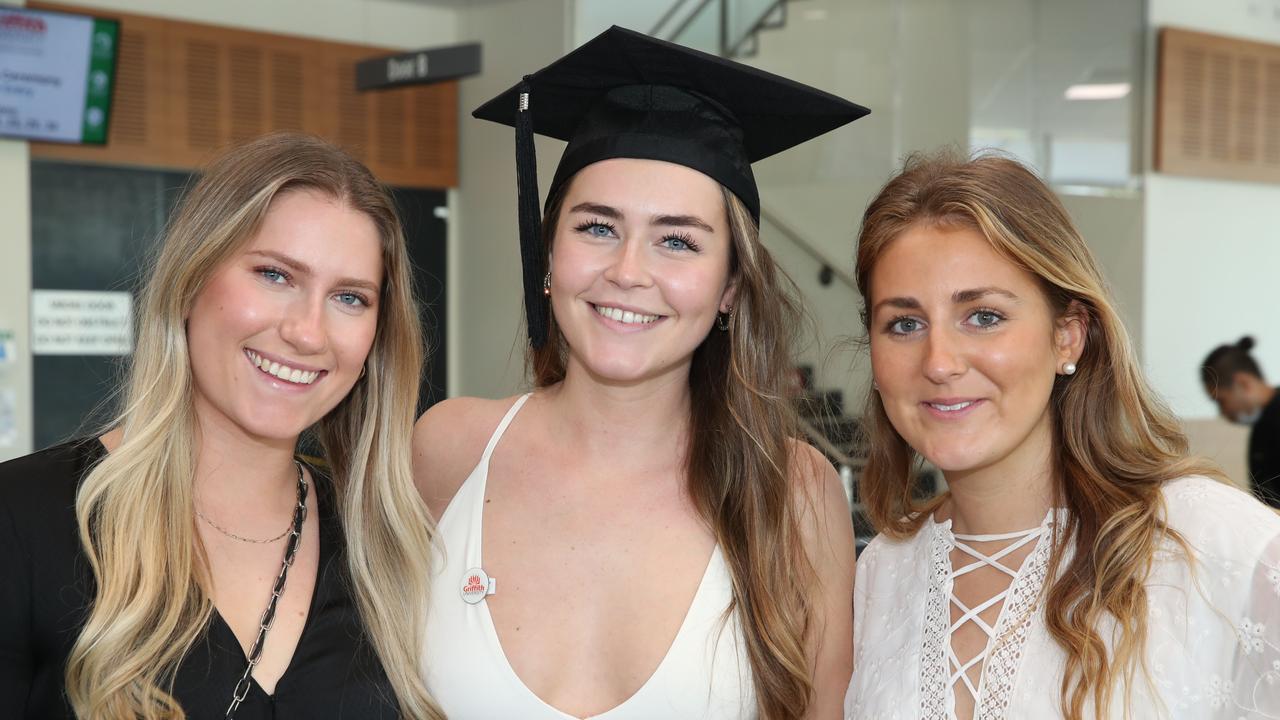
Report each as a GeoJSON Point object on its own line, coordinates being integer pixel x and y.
{"type": "Point", "coordinates": [476, 585]}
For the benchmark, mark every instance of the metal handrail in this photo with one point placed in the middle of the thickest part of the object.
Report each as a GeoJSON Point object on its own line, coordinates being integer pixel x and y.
{"type": "Point", "coordinates": [666, 17]}
{"type": "Point", "coordinates": [753, 29]}
{"type": "Point", "coordinates": [688, 20]}
{"type": "Point", "coordinates": [799, 241]}
{"type": "Point", "coordinates": [824, 443]}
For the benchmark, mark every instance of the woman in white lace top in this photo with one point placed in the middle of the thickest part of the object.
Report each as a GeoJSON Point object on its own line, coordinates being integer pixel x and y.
{"type": "Point", "coordinates": [1081, 564]}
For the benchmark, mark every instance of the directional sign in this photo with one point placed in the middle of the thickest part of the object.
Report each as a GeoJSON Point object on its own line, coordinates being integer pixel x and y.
{"type": "Point", "coordinates": [418, 68]}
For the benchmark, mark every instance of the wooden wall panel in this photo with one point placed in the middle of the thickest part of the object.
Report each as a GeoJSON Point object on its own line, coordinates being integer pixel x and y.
{"type": "Point", "coordinates": [185, 90]}
{"type": "Point", "coordinates": [1217, 107]}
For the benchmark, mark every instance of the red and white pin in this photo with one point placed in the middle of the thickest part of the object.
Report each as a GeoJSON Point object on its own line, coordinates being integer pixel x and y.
{"type": "Point", "coordinates": [476, 584]}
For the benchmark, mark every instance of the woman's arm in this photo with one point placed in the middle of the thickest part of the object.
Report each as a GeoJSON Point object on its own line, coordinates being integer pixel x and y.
{"type": "Point", "coordinates": [827, 528]}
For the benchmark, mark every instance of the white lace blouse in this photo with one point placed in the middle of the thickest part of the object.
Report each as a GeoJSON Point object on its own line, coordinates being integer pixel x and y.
{"type": "Point", "coordinates": [1213, 648]}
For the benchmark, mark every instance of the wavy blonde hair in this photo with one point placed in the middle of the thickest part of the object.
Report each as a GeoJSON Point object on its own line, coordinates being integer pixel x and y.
{"type": "Point", "coordinates": [741, 459]}
{"type": "Point", "coordinates": [1115, 443]}
{"type": "Point", "coordinates": [135, 508]}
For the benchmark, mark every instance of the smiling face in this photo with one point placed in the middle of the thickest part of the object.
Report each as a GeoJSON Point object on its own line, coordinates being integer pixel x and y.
{"type": "Point", "coordinates": [965, 349]}
{"type": "Point", "coordinates": [639, 267]}
{"type": "Point", "coordinates": [280, 332]}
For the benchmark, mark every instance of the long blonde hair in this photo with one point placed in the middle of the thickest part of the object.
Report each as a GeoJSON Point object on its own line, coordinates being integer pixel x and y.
{"type": "Point", "coordinates": [1115, 443]}
{"type": "Point", "coordinates": [740, 461]}
{"type": "Point", "coordinates": [135, 508]}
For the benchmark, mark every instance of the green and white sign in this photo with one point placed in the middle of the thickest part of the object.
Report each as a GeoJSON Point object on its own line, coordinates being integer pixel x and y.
{"type": "Point", "coordinates": [56, 75]}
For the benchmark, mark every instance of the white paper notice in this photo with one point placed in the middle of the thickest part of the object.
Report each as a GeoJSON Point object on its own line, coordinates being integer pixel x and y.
{"type": "Point", "coordinates": [8, 418]}
{"type": "Point", "coordinates": [79, 322]}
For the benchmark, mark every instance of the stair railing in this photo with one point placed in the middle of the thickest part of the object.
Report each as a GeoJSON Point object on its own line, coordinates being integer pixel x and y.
{"type": "Point", "coordinates": [829, 267]}
{"type": "Point", "coordinates": [659, 28]}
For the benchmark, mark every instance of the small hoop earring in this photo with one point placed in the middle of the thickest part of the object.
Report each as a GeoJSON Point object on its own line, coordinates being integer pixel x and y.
{"type": "Point", "coordinates": [722, 319]}
{"type": "Point", "coordinates": [1069, 369]}
{"type": "Point", "coordinates": [546, 285]}
{"type": "Point", "coordinates": [363, 368]}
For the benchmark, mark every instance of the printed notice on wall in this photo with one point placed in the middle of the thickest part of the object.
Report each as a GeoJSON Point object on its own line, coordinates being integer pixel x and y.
{"type": "Point", "coordinates": [79, 322]}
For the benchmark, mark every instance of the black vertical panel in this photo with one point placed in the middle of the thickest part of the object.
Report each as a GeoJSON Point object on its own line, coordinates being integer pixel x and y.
{"type": "Point", "coordinates": [426, 229]}
{"type": "Point", "coordinates": [92, 228]}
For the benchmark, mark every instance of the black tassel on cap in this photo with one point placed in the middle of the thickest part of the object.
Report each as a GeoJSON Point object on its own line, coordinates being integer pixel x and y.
{"type": "Point", "coordinates": [536, 306]}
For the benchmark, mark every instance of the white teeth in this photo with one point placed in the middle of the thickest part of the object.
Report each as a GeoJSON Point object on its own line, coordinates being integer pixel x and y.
{"type": "Point", "coordinates": [625, 316]}
{"type": "Point", "coordinates": [952, 408]}
{"type": "Point", "coordinates": [284, 372]}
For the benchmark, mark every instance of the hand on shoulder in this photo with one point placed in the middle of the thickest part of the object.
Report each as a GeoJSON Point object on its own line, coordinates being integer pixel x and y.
{"type": "Point", "coordinates": [448, 441]}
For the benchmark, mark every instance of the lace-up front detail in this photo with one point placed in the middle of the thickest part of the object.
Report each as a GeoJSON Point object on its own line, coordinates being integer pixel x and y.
{"type": "Point", "coordinates": [983, 681]}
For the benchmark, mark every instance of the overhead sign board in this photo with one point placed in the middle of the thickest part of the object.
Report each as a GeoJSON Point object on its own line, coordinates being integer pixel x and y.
{"type": "Point", "coordinates": [417, 68]}
{"type": "Point", "coordinates": [56, 75]}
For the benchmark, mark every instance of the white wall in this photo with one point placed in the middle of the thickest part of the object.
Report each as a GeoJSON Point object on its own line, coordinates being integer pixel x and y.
{"type": "Point", "coordinates": [15, 289]}
{"type": "Point", "coordinates": [487, 339]}
{"type": "Point", "coordinates": [376, 22]}
{"type": "Point", "coordinates": [1211, 245]}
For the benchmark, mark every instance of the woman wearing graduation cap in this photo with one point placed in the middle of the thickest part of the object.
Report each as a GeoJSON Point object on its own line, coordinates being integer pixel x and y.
{"type": "Point", "coordinates": [642, 536]}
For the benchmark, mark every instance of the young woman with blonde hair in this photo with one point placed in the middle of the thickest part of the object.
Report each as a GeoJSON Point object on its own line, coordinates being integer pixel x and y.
{"type": "Point", "coordinates": [145, 573]}
{"type": "Point", "coordinates": [1081, 564]}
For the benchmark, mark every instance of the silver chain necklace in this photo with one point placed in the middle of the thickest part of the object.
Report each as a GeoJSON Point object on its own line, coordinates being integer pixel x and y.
{"type": "Point", "coordinates": [269, 616]}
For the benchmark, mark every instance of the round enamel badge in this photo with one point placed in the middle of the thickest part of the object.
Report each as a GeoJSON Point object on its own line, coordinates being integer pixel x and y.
{"type": "Point", "coordinates": [475, 585]}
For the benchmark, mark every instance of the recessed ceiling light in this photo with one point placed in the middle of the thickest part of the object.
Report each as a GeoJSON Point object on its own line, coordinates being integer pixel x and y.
{"type": "Point", "coordinates": [1097, 91]}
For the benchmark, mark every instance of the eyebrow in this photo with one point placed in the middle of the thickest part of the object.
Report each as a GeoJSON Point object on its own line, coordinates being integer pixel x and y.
{"type": "Point", "coordinates": [667, 220]}
{"type": "Point", "coordinates": [958, 297]}
{"type": "Point", "coordinates": [305, 269]}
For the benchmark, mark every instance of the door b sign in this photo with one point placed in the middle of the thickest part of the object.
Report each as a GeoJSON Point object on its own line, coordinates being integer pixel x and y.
{"type": "Point", "coordinates": [418, 68]}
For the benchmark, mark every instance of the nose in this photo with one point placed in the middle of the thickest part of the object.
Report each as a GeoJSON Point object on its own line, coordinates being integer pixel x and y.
{"type": "Point", "coordinates": [943, 359]}
{"type": "Point", "coordinates": [630, 265]}
{"type": "Point", "coordinates": [303, 325]}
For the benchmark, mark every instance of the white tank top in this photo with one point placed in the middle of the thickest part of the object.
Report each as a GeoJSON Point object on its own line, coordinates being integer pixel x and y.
{"type": "Point", "coordinates": [705, 673]}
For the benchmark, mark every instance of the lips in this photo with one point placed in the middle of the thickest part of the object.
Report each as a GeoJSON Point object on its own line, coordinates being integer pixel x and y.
{"type": "Point", "coordinates": [952, 408]}
{"type": "Point", "coordinates": [624, 315]}
{"type": "Point", "coordinates": [285, 370]}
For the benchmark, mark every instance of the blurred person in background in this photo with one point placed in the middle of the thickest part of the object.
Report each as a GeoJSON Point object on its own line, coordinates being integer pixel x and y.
{"type": "Point", "coordinates": [1081, 564]}
{"type": "Point", "coordinates": [1233, 378]}
{"type": "Point", "coordinates": [143, 570]}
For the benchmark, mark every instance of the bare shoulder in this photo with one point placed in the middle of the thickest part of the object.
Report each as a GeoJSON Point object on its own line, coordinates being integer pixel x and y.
{"type": "Point", "coordinates": [448, 441]}
{"type": "Point", "coordinates": [823, 507]}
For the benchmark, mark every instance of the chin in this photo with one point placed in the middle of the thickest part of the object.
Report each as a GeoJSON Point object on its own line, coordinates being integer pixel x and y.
{"type": "Point", "coordinates": [957, 458]}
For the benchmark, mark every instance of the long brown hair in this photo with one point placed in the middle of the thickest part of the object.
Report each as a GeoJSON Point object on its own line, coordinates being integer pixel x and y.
{"type": "Point", "coordinates": [135, 508]}
{"type": "Point", "coordinates": [740, 460]}
{"type": "Point", "coordinates": [1115, 443]}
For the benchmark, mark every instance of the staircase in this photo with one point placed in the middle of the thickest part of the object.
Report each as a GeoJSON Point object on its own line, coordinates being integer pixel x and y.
{"type": "Point", "coordinates": [729, 28]}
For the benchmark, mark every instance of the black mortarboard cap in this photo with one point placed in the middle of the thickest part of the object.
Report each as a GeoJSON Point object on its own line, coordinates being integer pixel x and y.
{"type": "Point", "coordinates": [627, 95]}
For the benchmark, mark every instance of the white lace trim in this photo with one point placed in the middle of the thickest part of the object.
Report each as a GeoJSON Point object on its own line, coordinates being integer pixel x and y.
{"type": "Point", "coordinates": [940, 667]}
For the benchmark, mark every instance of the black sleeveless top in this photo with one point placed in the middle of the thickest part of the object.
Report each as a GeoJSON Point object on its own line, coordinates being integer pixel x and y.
{"type": "Point", "coordinates": [46, 586]}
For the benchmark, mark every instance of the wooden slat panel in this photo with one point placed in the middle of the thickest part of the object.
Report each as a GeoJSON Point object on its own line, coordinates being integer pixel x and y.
{"type": "Point", "coordinates": [185, 90]}
{"type": "Point", "coordinates": [1217, 107]}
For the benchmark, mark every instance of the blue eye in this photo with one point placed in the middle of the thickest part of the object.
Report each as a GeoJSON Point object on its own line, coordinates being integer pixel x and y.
{"type": "Point", "coordinates": [679, 242]}
{"type": "Point", "coordinates": [273, 275]}
{"type": "Point", "coordinates": [985, 319]}
{"type": "Point", "coordinates": [352, 299]}
{"type": "Point", "coordinates": [904, 325]}
{"type": "Point", "coordinates": [597, 229]}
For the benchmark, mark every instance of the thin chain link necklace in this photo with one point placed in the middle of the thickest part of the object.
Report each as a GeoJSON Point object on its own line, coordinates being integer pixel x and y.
{"type": "Point", "coordinates": [242, 538]}
{"type": "Point", "coordinates": [277, 589]}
